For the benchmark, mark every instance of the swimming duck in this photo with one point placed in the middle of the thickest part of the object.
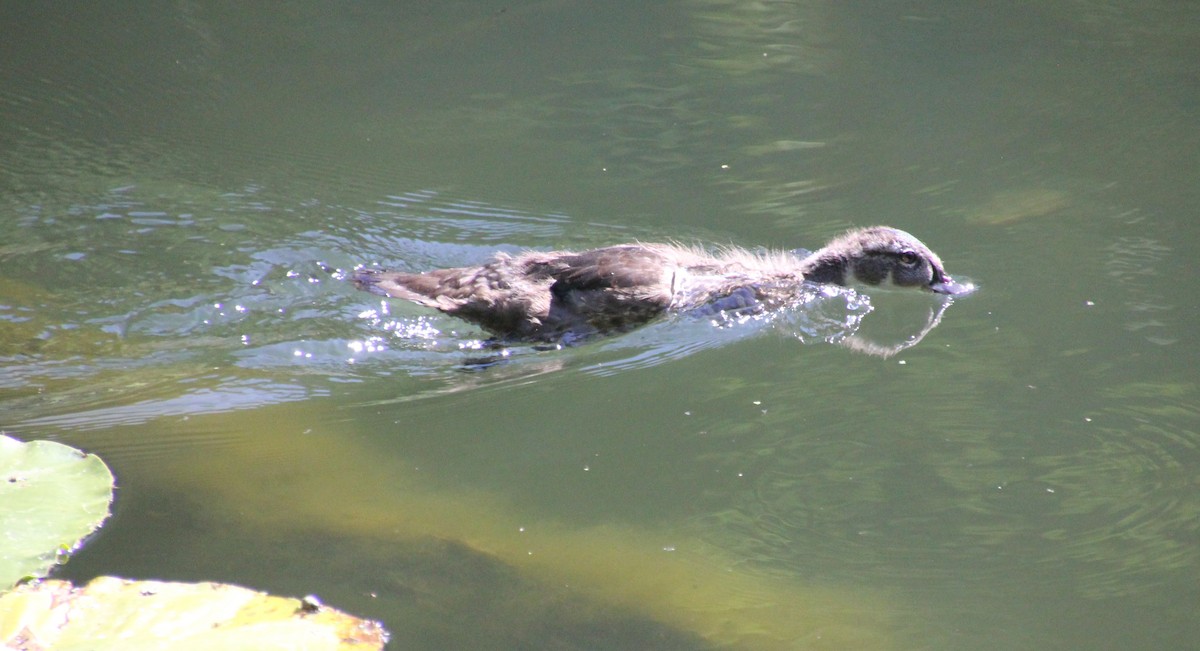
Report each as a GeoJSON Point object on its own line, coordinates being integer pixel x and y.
{"type": "Point", "coordinates": [556, 295]}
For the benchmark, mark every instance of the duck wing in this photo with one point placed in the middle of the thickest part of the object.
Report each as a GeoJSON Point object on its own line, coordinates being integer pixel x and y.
{"type": "Point", "coordinates": [542, 294]}
{"type": "Point", "coordinates": [496, 295]}
{"type": "Point", "coordinates": [607, 289]}
{"type": "Point", "coordinates": [624, 267]}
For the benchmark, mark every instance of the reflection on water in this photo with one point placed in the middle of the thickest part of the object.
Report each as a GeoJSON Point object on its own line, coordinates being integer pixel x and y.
{"type": "Point", "coordinates": [183, 190]}
{"type": "Point", "coordinates": [1134, 261]}
{"type": "Point", "coordinates": [230, 396]}
{"type": "Point", "coordinates": [1111, 491]}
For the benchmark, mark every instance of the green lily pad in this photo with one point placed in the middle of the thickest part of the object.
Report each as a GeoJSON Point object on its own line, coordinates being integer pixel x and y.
{"type": "Point", "coordinates": [111, 613]}
{"type": "Point", "coordinates": [51, 497]}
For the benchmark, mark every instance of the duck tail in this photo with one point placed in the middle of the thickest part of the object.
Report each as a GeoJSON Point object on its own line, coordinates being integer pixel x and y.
{"type": "Point", "coordinates": [418, 288]}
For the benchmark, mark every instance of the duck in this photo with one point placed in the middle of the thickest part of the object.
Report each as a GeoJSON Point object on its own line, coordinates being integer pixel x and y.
{"type": "Point", "coordinates": [572, 295]}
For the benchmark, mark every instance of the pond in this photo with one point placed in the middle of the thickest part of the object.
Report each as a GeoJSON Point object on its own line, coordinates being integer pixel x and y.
{"type": "Point", "coordinates": [185, 187]}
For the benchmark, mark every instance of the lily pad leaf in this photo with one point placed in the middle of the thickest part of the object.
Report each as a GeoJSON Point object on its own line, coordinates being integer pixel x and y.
{"type": "Point", "coordinates": [51, 497]}
{"type": "Point", "coordinates": [112, 614]}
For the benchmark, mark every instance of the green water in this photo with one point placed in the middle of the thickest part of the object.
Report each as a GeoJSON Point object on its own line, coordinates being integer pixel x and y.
{"type": "Point", "coordinates": [183, 187]}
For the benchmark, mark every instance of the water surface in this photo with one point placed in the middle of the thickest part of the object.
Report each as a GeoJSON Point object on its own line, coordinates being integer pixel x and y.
{"type": "Point", "coordinates": [183, 189]}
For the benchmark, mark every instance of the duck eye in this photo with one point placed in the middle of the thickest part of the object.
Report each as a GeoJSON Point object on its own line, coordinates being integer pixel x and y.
{"type": "Point", "coordinates": [908, 258]}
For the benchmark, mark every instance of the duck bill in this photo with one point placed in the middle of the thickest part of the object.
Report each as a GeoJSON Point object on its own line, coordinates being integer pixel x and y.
{"type": "Point", "coordinates": [950, 287]}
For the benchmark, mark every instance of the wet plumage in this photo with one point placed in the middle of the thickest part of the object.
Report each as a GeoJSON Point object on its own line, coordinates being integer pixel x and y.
{"type": "Point", "coordinates": [550, 295]}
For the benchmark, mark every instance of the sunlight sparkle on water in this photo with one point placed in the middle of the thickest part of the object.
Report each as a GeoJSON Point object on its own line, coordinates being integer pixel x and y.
{"type": "Point", "coordinates": [418, 328]}
{"type": "Point", "coordinates": [369, 345]}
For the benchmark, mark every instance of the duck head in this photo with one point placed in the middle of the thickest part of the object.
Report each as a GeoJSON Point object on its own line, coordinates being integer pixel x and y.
{"type": "Point", "coordinates": [879, 255]}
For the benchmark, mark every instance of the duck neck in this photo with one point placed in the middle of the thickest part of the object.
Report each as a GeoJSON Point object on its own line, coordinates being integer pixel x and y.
{"type": "Point", "coordinates": [825, 267]}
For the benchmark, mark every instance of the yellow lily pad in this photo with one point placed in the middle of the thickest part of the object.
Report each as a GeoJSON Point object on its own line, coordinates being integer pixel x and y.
{"type": "Point", "coordinates": [119, 614]}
